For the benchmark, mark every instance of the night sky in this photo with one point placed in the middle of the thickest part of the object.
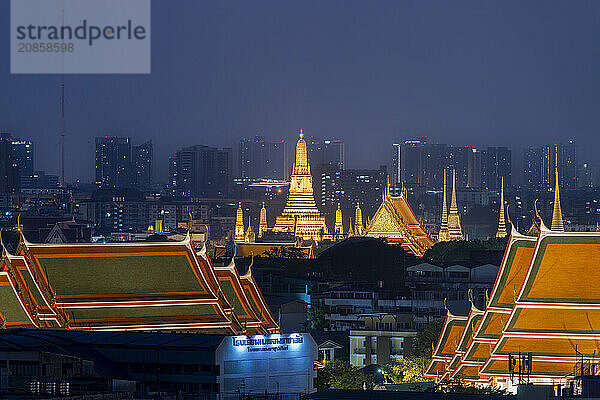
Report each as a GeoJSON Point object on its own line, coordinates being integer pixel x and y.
{"type": "Point", "coordinates": [478, 72]}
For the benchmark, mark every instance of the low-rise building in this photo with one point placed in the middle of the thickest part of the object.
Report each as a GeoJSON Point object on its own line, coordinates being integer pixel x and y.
{"type": "Point", "coordinates": [382, 340]}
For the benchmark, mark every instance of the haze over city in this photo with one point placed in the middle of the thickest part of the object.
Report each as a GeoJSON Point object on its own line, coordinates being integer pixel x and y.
{"type": "Point", "coordinates": [465, 73]}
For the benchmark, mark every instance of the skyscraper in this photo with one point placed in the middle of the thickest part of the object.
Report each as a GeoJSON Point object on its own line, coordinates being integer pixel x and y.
{"type": "Point", "coordinates": [143, 159]}
{"type": "Point", "coordinates": [23, 156]}
{"type": "Point", "coordinates": [496, 163]}
{"type": "Point", "coordinates": [113, 162]}
{"type": "Point", "coordinates": [9, 172]}
{"type": "Point", "coordinates": [201, 171]}
{"type": "Point", "coordinates": [532, 167]}
{"type": "Point", "coordinates": [329, 152]}
{"type": "Point", "coordinates": [259, 158]}
{"type": "Point", "coordinates": [408, 162]}
{"type": "Point", "coordinates": [539, 164]}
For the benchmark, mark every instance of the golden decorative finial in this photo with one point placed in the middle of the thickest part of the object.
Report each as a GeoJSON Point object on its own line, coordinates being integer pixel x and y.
{"type": "Point", "coordinates": [2, 243]}
{"type": "Point", "coordinates": [501, 223]}
{"type": "Point", "coordinates": [470, 296]}
{"type": "Point", "coordinates": [301, 134]}
{"type": "Point", "coordinates": [557, 221]}
{"type": "Point", "coordinates": [445, 305]}
{"type": "Point", "coordinates": [19, 221]}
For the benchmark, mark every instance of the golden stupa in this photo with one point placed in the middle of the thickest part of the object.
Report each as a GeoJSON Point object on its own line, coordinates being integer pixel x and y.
{"type": "Point", "coordinates": [301, 215]}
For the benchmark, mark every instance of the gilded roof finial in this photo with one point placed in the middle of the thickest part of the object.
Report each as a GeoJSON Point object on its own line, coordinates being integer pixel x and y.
{"type": "Point", "coordinates": [2, 244]}
{"type": "Point", "coordinates": [537, 214]}
{"type": "Point", "coordinates": [301, 134]}
{"type": "Point", "coordinates": [557, 221]}
{"type": "Point", "coordinates": [501, 223]}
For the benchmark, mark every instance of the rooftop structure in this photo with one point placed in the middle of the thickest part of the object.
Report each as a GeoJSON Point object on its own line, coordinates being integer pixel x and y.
{"type": "Point", "coordinates": [157, 286]}
{"type": "Point", "coordinates": [395, 221]}
{"type": "Point", "coordinates": [544, 303]}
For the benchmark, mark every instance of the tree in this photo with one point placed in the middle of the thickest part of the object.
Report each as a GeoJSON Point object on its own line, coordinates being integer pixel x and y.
{"type": "Point", "coordinates": [407, 370]}
{"type": "Point", "coordinates": [315, 319]}
{"type": "Point", "coordinates": [340, 374]}
{"type": "Point", "coordinates": [427, 338]}
{"type": "Point", "coordinates": [285, 252]}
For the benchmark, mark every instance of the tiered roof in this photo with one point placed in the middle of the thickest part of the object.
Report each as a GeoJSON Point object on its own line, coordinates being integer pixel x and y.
{"type": "Point", "coordinates": [395, 221]}
{"type": "Point", "coordinates": [545, 301]}
{"type": "Point", "coordinates": [443, 355]}
{"type": "Point", "coordinates": [127, 286]}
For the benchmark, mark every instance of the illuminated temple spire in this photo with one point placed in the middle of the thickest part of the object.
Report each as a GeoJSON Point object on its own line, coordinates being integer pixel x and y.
{"type": "Point", "coordinates": [339, 226]}
{"type": "Point", "coordinates": [358, 221]}
{"type": "Point", "coordinates": [250, 236]}
{"type": "Point", "coordinates": [501, 223]}
{"type": "Point", "coordinates": [239, 225]}
{"type": "Point", "coordinates": [557, 221]}
{"type": "Point", "coordinates": [454, 228]}
{"type": "Point", "coordinates": [301, 215]}
{"type": "Point", "coordinates": [443, 235]}
{"type": "Point", "coordinates": [262, 226]}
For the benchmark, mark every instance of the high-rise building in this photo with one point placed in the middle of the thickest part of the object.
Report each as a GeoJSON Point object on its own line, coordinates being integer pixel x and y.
{"type": "Point", "coordinates": [113, 162]}
{"type": "Point", "coordinates": [259, 158]}
{"type": "Point", "coordinates": [585, 175]}
{"type": "Point", "coordinates": [540, 162]}
{"type": "Point", "coordinates": [201, 171]}
{"type": "Point", "coordinates": [349, 187]}
{"type": "Point", "coordinates": [143, 158]}
{"type": "Point", "coordinates": [567, 161]}
{"type": "Point", "coordinates": [330, 152]}
{"type": "Point", "coordinates": [532, 167]}
{"type": "Point", "coordinates": [473, 167]}
{"type": "Point", "coordinates": [496, 163]}
{"type": "Point", "coordinates": [408, 162]}
{"type": "Point", "coordinates": [9, 171]}
{"type": "Point", "coordinates": [23, 156]}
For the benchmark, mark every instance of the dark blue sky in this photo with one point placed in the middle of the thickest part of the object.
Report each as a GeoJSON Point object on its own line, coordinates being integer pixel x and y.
{"type": "Point", "coordinates": [369, 72]}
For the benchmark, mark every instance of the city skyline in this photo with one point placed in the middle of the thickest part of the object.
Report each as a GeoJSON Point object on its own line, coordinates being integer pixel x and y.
{"type": "Point", "coordinates": [483, 85]}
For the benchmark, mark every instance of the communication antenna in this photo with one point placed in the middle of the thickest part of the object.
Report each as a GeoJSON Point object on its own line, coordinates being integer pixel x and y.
{"type": "Point", "coordinates": [62, 108]}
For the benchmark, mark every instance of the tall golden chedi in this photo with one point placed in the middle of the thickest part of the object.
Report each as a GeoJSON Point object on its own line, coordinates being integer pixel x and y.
{"type": "Point", "coordinates": [262, 226]}
{"type": "Point", "coordinates": [239, 236]}
{"type": "Point", "coordinates": [339, 225]}
{"type": "Point", "coordinates": [443, 235]}
{"type": "Point", "coordinates": [358, 221]}
{"type": "Point", "coordinates": [454, 228]}
{"type": "Point", "coordinates": [501, 222]}
{"type": "Point", "coordinates": [301, 215]}
{"type": "Point", "coordinates": [557, 221]}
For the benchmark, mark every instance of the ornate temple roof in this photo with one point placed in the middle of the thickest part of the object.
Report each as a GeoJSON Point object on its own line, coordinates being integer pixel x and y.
{"type": "Point", "coordinates": [545, 302]}
{"type": "Point", "coordinates": [447, 344]}
{"type": "Point", "coordinates": [395, 221]}
{"type": "Point", "coordinates": [128, 286]}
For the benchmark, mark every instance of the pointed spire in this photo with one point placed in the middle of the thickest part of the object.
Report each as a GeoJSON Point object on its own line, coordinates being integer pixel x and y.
{"type": "Point", "coordinates": [339, 226]}
{"type": "Point", "coordinates": [350, 231]}
{"type": "Point", "coordinates": [501, 223]}
{"type": "Point", "coordinates": [443, 234]}
{"type": "Point", "coordinates": [557, 221]}
{"type": "Point", "coordinates": [454, 228]}
{"type": "Point", "coordinates": [358, 221]}
{"type": "Point", "coordinates": [262, 226]}
{"type": "Point", "coordinates": [239, 224]}
{"type": "Point", "coordinates": [249, 237]}
{"type": "Point", "coordinates": [453, 205]}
